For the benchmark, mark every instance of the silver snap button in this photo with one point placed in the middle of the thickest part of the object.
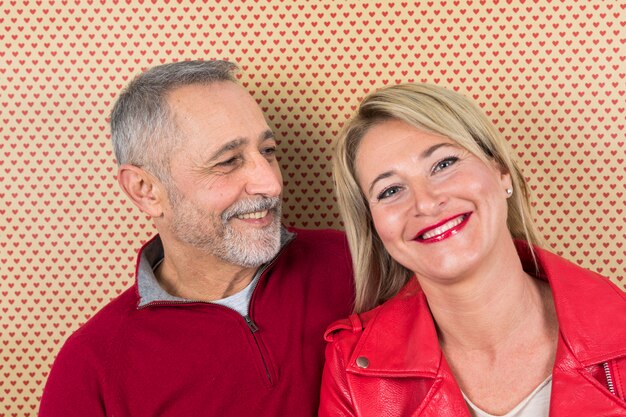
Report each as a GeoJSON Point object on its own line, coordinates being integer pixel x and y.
{"type": "Point", "coordinates": [362, 362]}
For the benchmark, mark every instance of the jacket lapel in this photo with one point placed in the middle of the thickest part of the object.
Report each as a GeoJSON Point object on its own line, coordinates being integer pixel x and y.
{"type": "Point", "coordinates": [575, 392]}
{"type": "Point", "coordinates": [445, 398]}
{"type": "Point", "coordinates": [400, 341]}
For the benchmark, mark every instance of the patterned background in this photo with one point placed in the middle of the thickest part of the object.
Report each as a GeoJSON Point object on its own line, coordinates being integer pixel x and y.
{"type": "Point", "coordinates": [549, 73]}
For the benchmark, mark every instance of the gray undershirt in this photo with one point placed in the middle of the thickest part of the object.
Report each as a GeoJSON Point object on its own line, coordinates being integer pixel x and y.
{"type": "Point", "coordinates": [239, 301]}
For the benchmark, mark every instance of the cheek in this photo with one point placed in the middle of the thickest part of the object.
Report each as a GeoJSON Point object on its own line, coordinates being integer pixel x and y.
{"type": "Point", "coordinates": [389, 223]}
{"type": "Point", "coordinates": [277, 172]}
{"type": "Point", "coordinates": [485, 184]}
{"type": "Point", "coordinates": [213, 202]}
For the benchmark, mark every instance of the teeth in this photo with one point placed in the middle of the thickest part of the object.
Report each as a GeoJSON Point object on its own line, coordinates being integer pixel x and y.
{"type": "Point", "coordinates": [254, 215]}
{"type": "Point", "coordinates": [443, 228]}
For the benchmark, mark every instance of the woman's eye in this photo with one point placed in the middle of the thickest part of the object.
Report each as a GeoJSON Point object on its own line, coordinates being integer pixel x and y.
{"type": "Point", "coordinates": [445, 163]}
{"type": "Point", "coordinates": [388, 192]}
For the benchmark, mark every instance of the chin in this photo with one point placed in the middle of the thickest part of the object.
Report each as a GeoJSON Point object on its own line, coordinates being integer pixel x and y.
{"type": "Point", "coordinates": [450, 270]}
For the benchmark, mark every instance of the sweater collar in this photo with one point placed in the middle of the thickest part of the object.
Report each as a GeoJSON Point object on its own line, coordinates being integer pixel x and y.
{"type": "Point", "coordinates": [150, 255]}
{"type": "Point", "coordinates": [592, 329]}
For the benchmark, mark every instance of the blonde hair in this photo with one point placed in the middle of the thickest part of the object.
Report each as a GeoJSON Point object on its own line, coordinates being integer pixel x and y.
{"type": "Point", "coordinates": [432, 109]}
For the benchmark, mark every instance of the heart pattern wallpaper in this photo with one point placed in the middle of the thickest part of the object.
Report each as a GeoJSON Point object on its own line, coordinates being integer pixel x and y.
{"type": "Point", "coordinates": [550, 75]}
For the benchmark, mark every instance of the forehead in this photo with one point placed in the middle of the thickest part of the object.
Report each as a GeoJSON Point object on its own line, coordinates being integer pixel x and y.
{"type": "Point", "coordinates": [215, 113]}
{"type": "Point", "coordinates": [392, 139]}
{"type": "Point", "coordinates": [394, 147]}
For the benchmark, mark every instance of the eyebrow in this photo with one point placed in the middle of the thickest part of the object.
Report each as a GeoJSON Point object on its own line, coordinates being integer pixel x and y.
{"type": "Point", "coordinates": [238, 143]}
{"type": "Point", "coordinates": [427, 153]}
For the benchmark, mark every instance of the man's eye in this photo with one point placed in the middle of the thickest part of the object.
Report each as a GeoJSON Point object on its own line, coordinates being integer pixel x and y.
{"type": "Point", "coordinates": [269, 151]}
{"type": "Point", "coordinates": [229, 162]}
{"type": "Point", "coordinates": [445, 163]}
{"type": "Point", "coordinates": [388, 192]}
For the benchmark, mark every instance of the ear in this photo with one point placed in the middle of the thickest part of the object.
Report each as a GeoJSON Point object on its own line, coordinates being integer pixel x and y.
{"type": "Point", "coordinates": [505, 179]}
{"type": "Point", "coordinates": [143, 189]}
{"type": "Point", "coordinates": [503, 174]}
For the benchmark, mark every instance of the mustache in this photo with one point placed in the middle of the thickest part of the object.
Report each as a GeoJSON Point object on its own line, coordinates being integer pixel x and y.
{"type": "Point", "coordinates": [250, 206]}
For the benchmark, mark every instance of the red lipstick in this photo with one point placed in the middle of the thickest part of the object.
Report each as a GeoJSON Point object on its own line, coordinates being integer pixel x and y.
{"type": "Point", "coordinates": [459, 223]}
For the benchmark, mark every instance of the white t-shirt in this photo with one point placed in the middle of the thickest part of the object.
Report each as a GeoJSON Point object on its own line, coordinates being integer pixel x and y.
{"type": "Point", "coordinates": [537, 404]}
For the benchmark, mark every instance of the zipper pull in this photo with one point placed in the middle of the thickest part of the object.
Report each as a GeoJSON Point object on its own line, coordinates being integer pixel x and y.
{"type": "Point", "coordinates": [251, 325]}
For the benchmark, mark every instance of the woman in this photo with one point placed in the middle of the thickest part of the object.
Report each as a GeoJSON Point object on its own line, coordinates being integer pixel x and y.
{"type": "Point", "coordinates": [458, 312]}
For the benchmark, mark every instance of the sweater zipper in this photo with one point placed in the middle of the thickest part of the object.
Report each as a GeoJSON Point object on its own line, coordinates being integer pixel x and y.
{"type": "Point", "coordinates": [252, 325]}
{"type": "Point", "coordinates": [253, 329]}
{"type": "Point", "coordinates": [609, 378]}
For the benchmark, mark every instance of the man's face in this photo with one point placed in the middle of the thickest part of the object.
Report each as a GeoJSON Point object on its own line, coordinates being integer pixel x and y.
{"type": "Point", "coordinates": [224, 193]}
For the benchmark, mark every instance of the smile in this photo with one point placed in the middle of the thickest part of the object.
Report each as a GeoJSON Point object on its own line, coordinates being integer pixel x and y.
{"type": "Point", "coordinates": [253, 215]}
{"type": "Point", "coordinates": [443, 230]}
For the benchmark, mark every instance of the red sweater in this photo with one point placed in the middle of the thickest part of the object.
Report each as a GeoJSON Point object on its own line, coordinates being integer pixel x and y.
{"type": "Point", "coordinates": [172, 358]}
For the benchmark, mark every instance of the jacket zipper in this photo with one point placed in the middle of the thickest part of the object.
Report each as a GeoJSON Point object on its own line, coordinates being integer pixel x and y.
{"type": "Point", "coordinates": [609, 378]}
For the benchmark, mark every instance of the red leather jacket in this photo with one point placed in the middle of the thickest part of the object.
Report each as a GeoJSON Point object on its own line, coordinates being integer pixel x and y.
{"type": "Point", "coordinates": [387, 362]}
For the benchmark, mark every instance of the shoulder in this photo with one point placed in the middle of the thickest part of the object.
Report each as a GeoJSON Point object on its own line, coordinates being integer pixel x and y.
{"type": "Point", "coordinates": [349, 330]}
{"type": "Point", "coordinates": [319, 260]}
{"type": "Point", "coordinates": [323, 239]}
{"type": "Point", "coordinates": [98, 332]}
{"type": "Point", "coordinates": [566, 278]}
{"type": "Point", "coordinates": [570, 277]}
{"type": "Point", "coordinates": [323, 250]}
{"type": "Point", "coordinates": [343, 336]}
{"type": "Point", "coordinates": [396, 316]}
{"type": "Point", "coordinates": [84, 360]}
{"type": "Point", "coordinates": [347, 336]}
{"type": "Point", "coordinates": [590, 309]}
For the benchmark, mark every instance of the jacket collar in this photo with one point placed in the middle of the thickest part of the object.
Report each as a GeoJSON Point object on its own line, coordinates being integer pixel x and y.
{"type": "Point", "coordinates": [593, 330]}
{"type": "Point", "coordinates": [402, 324]}
{"type": "Point", "coordinates": [591, 311]}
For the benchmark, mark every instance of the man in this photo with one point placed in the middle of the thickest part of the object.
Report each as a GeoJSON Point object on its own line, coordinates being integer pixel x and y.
{"type": "Point", "coordinates": [228, 311]}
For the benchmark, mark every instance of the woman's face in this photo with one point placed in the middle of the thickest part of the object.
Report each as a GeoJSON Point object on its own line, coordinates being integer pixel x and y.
{"type": "Point", "coordinates": [439, 210]}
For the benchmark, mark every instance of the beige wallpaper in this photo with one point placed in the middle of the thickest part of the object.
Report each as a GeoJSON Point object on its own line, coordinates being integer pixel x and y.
{"type": "Point", "coordinates": [549, 73]}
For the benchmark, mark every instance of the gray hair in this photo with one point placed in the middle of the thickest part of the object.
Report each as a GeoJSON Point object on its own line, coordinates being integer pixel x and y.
{"type": "Point", "coordinates": [142, 129]}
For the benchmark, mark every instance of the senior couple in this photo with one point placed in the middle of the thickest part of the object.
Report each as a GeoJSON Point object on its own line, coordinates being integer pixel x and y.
{"type": "Point", "coordinates": [440, 301]}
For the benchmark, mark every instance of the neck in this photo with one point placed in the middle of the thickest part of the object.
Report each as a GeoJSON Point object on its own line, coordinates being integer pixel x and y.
{"type": "Point", "coordinates": [484, 311]}
{"type": "Point", "coordinates": [196, 275]}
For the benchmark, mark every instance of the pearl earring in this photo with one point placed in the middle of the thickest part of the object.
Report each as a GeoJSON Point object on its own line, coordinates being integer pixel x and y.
{"type": "Point", "coordinates": [509, 192]}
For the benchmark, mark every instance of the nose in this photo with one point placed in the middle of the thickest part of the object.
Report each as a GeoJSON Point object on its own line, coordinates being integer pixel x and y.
{"type": "Point", "coordinates": [429, 199]}
{"type": "Point", "coordinates": [263, 177]}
